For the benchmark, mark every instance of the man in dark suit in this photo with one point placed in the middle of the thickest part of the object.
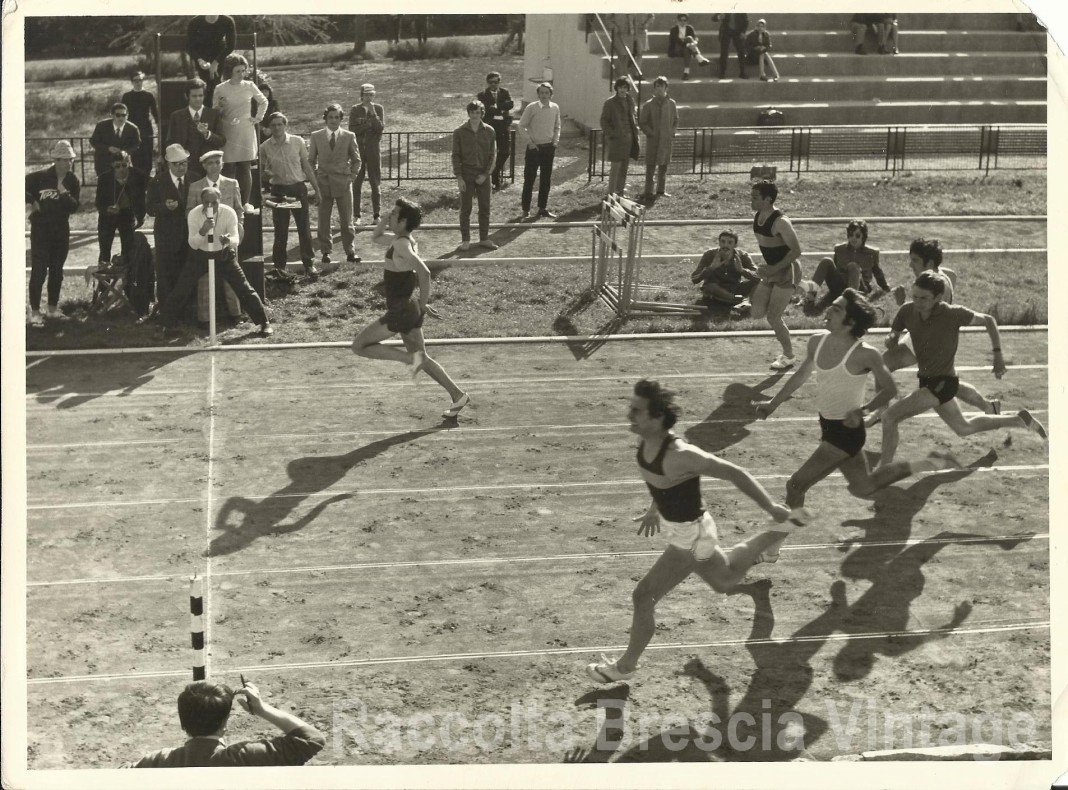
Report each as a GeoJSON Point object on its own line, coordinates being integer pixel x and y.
{"type": "Point", "coordinates": [166, 199]}
{"type": "Point", "coordinates": [198, 129]}
{"type": "Point", "coordinates": [499, 106]}
{"type": "Point", "coordinates": [120, 205]}
{"type": "Point", "coordinates": [113, 136]}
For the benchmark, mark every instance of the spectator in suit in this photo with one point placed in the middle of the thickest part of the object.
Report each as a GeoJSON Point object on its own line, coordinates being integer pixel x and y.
{"type": "Point", "coordinates": [198, 129]}
{"type": "Point", "coordinates": [284, 163]}
{"type": "Point", "coordinates": [732, 29]}
{"type": "Point", "coordinates": [168, 193]}
{"type": "Point", "coordinates": [113, 136]}
{"type": "Point", "coordinates": [659, 120]}
{"type": "Point", "coordinates": [499, 104]}
{"type": "Point", "coordinates": [540, 124]}
{"type": "Point", "coordinates": [620, 134]}
{"type": "Point", "coordinates": [758, 47]}
{"type": "Point", "coordinates": [209, 39]}
{"type": "Point", "coordinates": [366, 121]}
{"type": "Point", "coordinates": [120, 203]}
{"type": "Point", "coordinates": [683, 43]}
{"type": "Point", "coordinates": [143, 112]}
{"type": "Point", "coordinates": [336, 161]}
{"type": "Point", "coordinates": [204, 710]}
{"type": "Point", "coordinates": [52, 196]}
{"type": "Point", "coordinates": [474, 153]}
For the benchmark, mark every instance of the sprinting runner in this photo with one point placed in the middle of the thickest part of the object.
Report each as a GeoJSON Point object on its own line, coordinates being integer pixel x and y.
{"type": "Point", "coordinates": [935, 330]}
{"type": "Point", "coordinates": [672, 470]}
{"type": "Point", "coordinates": [842, 362]}
{"type": "Point", "coordinates": [781, 274]}
{"type": "Point", "coordinates": [404, 269]}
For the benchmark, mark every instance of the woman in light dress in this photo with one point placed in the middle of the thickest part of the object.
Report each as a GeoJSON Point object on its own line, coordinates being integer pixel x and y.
{"type": "Point", "coordinates": [233, 99]}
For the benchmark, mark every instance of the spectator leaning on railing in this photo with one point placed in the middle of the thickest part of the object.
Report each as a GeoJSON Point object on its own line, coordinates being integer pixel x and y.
{"type": "Point", "coordinates": [204, 710]}
{"type": "Point", "coordinates": [52, 196]}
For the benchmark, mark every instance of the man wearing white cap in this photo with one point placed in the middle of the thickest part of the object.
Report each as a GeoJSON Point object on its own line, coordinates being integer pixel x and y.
{"type": "Point", "coordinates": [230, 190]}
{"type": "Point", "coordinates": [52, 195]}
{"type": "Point", "coordinates": [168, 192]}
{"type": "Point", "coordinates": [366, 121]}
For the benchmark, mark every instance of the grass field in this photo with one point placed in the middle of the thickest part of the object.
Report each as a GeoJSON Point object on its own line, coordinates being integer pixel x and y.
{"type": "Point", "coordinates": [362, 557]}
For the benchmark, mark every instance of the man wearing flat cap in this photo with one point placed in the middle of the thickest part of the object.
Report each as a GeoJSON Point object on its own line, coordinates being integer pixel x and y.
{"type": "Point", "coordinates": [168, 192]}
{"type": "Point", "coordinates": [366, 121]}
{"type": "Point", "coordinates": [52, 196]}
{"type": "Point", "coordinates": [212, 162]}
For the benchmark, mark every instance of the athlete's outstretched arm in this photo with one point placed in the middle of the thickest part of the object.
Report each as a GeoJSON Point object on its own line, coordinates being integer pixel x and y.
{"type": "Point", "coordinates": [793, 384]}
{"type": "Point", "coordinates": [991, 325]}
{"type": "Point", "coordinates": [696, 460]}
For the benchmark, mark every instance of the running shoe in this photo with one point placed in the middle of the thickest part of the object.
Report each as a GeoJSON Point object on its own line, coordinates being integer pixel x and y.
{"type": "Point", "coordinates": [457, 406]}
{"type": "Point", "coordinates": [782, 362]}
{"type": "Point", "coordinates": [36, 319]}
{"type": "Point", "coordinates": [1031, 423]}
{"type": "Point", "coordinates": [605, 671]}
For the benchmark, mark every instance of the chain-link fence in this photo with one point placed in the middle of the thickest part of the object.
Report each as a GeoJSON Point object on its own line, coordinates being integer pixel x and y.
{"type": "Point", "coordinates": [710, 151]}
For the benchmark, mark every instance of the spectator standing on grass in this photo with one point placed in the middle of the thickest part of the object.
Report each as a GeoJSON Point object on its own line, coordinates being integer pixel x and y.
{"type": "Point", "coordinates": [499, 104]}
{"type": "Point", "coordinates": [52, 196]}
{"type": "Point", "coordinates": [540, 125]}
{"type": "Point", "coordinates": [683, 43]}
{"type": "Point", "coordinates": [620, 126]}
{"type": "Point", "coordinates": [404, 271]}
{"type": "Point", "coordinates": [168, 193]}
{"type": "Point", "coordinates": [659, 120]}
{"type": "Point", "coordinates": [781, 272]}
{"type": "Point", "coordinates": [204, 711]}
{"type": "Point", "coordinates": [141, 105]}
{"type": "Point", "coordinates": [113, 136]}
{"type": "Point", "coordinates": [517, 25]}
{"type": "Point", "coordinates": [120, 205]}
{"type": "Point", "coordinates": [474, 153]}
{"type": "Point", "coordinates": [853, 265]}
{"type": "Point", "coordinates": [336, 161]}
{"type": "Point", "coordinates": [284, 164]}
{"type": "Point", "coordinates": [367, 120]}
{"type": "Point", "coordinates": [726, 274]}
{"type": "Point", "coordinates": [421, 23]}
{"type": "Point", "coordinates": [934, 327]}
{"type": "Point", "coordinates": [732, 29]}
{"type": "Point", "coordinates": [758, 49]}
{"type": "Point", "coordinates": [209, 39]}
{"type": "Point", "coordinates": [213, 234]}
{"type": "Point", "coordinates": [234, 100]}
{"type": "Point", "coordinates": [198, 129]}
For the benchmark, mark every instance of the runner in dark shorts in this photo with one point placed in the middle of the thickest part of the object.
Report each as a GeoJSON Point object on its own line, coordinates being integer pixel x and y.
{"type": "Point", "coordinates": [405, 309]}
{"type": "Point", "coordinates": [942, 387]}
{"type": "Point", "coordinates": [849, 439]}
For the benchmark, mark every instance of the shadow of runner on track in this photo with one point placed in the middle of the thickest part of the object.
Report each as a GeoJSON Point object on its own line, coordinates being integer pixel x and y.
{"type": "Point", "coordinates": [612, 701]}
{"type": "Point", "coordinates": [307, 476]}
{"type": "Point", "coordinates": [727, 423]}
{"type": "Point", "coordinates": [59, 383]}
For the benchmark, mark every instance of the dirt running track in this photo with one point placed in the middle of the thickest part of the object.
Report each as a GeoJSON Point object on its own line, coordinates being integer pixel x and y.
{"type": "Point", "coordinates": [365, 558]}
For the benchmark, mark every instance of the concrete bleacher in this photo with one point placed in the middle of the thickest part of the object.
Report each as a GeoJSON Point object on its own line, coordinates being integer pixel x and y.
{"type": "Point", "coordinates": [952, 68]}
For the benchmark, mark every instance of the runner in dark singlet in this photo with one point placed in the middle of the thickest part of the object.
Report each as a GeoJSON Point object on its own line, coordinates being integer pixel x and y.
{"type": "Point", "coordinates": [672, 470]}
{"type": "Point", "coordinates": [781, 273]}
{"type": "Point", "coordinates": [405, 310]}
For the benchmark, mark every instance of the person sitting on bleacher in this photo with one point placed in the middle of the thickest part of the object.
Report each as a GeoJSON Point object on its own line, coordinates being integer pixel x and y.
{"type": "Point", "coordinates": [882, 26]}
{"type": "Point", "coordinates": [683, 43]}
{"type": "Point", "coordinates": [120, 205]}
{"type": "Point", "coordinates": [726, 274]}
{"type": "Point", "coordinates": [758, 50]}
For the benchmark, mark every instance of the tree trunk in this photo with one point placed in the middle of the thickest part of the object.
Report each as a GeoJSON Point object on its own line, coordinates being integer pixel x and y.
{"type": "Point", "coordinates": [359, 28]}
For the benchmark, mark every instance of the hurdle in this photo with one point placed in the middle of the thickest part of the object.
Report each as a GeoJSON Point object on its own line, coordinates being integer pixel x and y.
{"type": "Point", "coordinates": [616, 259]}
{"type": "Point", "coordinates": [196, 626]}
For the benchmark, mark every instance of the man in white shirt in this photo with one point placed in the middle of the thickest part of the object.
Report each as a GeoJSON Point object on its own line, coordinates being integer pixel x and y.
{"type": "Point", "coordinates": [214, 233]}
{"type": "Point", "coordinates": [540, 123]}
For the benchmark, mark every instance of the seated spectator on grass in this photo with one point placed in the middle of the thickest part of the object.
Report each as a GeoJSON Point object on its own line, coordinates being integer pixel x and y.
{"type": "Point", "coordinates": [120, 205]}
{"type": "Point", "coordinates": [113, 136]}
{"type": "Point", "coordinates": [854, 265]}
{"type": "Point", "coordinates": [758, 51]}
{"type": "Point", "coordinates": [143, 111]}
{"type": "Point", "coordinates": [52, 196]}
{"type": "Point", "coordinates": [726, 274]}
{"type": "Point", "coordinates": [683, 43]}
{"type": "Point", "coordinates": [204, 711]}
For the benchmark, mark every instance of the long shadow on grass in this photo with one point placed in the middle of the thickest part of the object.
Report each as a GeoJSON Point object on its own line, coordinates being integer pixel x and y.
{"type": "Point", "coordinates": [727, 423]}
{"type": "Point", "coordinates": [563, 325]}
{"type": "Point", "coordinates": [65, 383]}
{"type": "Point", "coordinates": [241, 520]}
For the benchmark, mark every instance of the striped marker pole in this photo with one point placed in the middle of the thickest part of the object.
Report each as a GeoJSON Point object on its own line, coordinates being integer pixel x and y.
{"type": "Point", "coordinates": [196, 625]}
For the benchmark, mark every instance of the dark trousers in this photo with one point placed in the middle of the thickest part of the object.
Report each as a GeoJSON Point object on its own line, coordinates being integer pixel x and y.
{"type": "Point", "coordinates": [281, 225]}
{"type": "Point", "coordinates": [49, 242]}
{"type": "Point", "coordinates": [107, 224]}
{"type": "Point", "coordinates": [504, 150]}
{"type": "Point", "coordinates": [538, 158]}
{"type": "Point", "coordinates": [725, 41]}
{"type": "Point", "coordinates": [471, 191]}
{"type": "Point", "coordinates": [144, 156]}
{"type": "Point", "coordinates": [371, 169]}
{"type": "Point", "coordinates": [227, 269]}
{"type": "Point", "coordinates": [172, 249]}
{"type": "Point", "coordinates": [209, 81]}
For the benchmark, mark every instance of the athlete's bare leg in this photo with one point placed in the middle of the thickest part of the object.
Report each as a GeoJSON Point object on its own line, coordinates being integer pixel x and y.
{"type": "Point", "coordinates": [368, 343]}
{"type": "Point", "coordinates": [916, 402]}
{"type": "Point", "coordinates": [667, 573]}
{"type": "Point", "coordinates": [413, 341]}
{"type": "Point", "coordinates": [966, 426]}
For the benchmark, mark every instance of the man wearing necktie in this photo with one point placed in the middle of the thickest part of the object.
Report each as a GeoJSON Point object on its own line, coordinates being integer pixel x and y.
{"type": "Point", "coordinates": [335, 158]}
{"type": "Point", "coordinates": [113, 136]}
{"type": "Point", "coordinates": [167, 194]}
{"type": "Point", "coordinates": [196, 128]}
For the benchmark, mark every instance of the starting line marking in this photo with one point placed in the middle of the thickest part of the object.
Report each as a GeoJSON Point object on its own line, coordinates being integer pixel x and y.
{"type": "Point", "coordinates": [371, 566]}
{"type": "Point", "coordinates": [443, 657]}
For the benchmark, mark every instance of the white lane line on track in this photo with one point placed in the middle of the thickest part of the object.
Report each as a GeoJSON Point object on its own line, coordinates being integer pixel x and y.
{"type": "Point", "coordinates": [390, 384]}
{"type": "Point", "coordinates": [372, 566]}
{"type": "Point", "coordinates": [438, 490]}
{"type": "Point", "coordinates": [592, 650]}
